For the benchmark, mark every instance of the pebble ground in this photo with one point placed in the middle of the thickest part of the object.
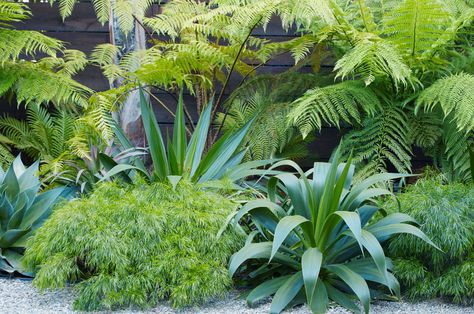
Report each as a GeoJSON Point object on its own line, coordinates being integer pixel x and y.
{"type": "Point", "coordinates": [19, 297]}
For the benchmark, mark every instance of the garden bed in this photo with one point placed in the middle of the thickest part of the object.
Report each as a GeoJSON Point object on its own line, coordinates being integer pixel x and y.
{"type": "Point", "coordinates": [18, 296]}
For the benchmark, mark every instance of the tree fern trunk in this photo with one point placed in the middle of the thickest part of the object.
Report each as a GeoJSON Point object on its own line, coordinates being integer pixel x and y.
{"type": "Point", "coordinates": [129, 115]}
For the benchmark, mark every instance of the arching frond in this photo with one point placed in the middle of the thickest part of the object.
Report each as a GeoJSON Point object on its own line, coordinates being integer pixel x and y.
{"type": "Point", "coordinates": [332, 104]}
{"type": "Point", "coordinates": [371, 57]}
{"type": "Point", "coordinates": [382, 141]}
{"type": "Point", "coordinates": [415, 25]}
{"type": "Point", "coordinates": [455, 96]}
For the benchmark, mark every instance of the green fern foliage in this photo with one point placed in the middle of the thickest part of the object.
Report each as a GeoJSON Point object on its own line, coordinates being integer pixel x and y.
{"type": "Point", "coordinates": [268, 98]}
{"type": "Point", "coordinates": [382, 138]}
{"type": "Point", "coordinates": [42, 135]}
{"type": "Point", "coordinates": [332, 104]}
{"type": "Point", "coordinates": [124, 10]}
{"type": "Point", "coordinates": [454, 95]}
{"type": "Point", "coordinates": [371, 57]}
{"type": "Point", "coordinates": [48, 79]}
{"type": "Point", "coordinates": [415, 25]}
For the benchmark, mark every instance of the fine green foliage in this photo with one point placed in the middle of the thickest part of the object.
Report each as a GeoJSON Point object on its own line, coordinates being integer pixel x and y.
{"type": "Point", "coordinates": [23, 209]}
{"type": "Point", "coordinates": [267, 98]}
{"type": "Point", "coordinates": [48, 79]}
{"type": "Point", "coordinates": [137, 245]}
{"type": "Point", "coordinates": [315, 243]}
{"type": "Point", "coordinates": [446, 214]}
{"type": "Point", "coordinates": [125, 11]}
{"type": "Point", "coordinates": [42, 135]}
{"type": "Point", "coordinates": [411, 55]}
{"type": "Point", "coordinates": [333, 104]}
{"type": "Point", "coordinates": [180, 159]}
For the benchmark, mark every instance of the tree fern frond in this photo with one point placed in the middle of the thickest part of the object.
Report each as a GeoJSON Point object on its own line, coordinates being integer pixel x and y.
{"type": "Point", "coordinates": [371, 57]}
{"type": "Point", "coordinates": [13, 12]}
{"type": "Point", "coordinates": [14, 43]}
{"type": "Point", "coordinates": [332, 104]}
{"type": "Point", "coordinates": [457, 146]}
{"type": "Point", "coordinates": [425, 129]}
{"type": "Point", "coordinates": [383, 140]}
{"type": "Point", "coordinates": [415, 25]}
{"type": "Point", "coordinates": [455, 96]}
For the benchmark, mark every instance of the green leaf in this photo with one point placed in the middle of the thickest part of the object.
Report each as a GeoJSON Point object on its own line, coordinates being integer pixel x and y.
{"type": "Point", "coordinates": [265, 289]}
{"type": "Point", "coordinates": [354, 281]}
{"type": "Point", "coordinates": [179, 134]}
{"type": "Point", "coordinates": [319, 301]}
{"type": "Point", "coordinates": [9, 238]}
{"type": "Point", "coordinates": [286, 293]}
{"type": "Point", "coordinates": [256, 251]}
{"type": "Point", "coordinates": [197, 142]}
{"type": "Point", "coordinates": [341, 298]}
{"type": "Point", "coordinates": [384, 232]}
{"type": "Point", "coordinates": [154, 138]}
{"type": "Point", "coordinates": [221, 152]}
{"type": "Point", "coordinates": [283, 229]}
{"type": "Point", "coordinates": [311, 262]}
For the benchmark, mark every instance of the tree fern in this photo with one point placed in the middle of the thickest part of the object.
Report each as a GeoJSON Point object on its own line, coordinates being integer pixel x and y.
{"type": "Point", "coordinates": [268, 98]}
{"type": "Point", "coordinates": [371, 57]}
{"type": "Point", "coordinates": [382, 141]}
{"type": "Point", "coordinates": [415, 25]}
{"type": "Point", "coordinates": [332, 104]}
{"type": "Point", "coordinates": [125, 10]}
{"type": "Point", "coordinates": [37, 81]}
{"type": "Point", "coordinates": [454, 95]}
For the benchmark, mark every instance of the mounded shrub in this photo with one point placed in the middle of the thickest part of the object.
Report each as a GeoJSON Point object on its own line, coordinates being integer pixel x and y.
{"type": "Point", "coordinates": [446, 215]}
{"type": "Point", "coordinates": [135, 246]}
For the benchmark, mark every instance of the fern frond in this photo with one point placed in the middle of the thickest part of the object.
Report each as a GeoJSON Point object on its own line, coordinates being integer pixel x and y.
{"type": "Point", "coordinates": [415, 25]}
{"type": "Point", "coordinates": [331, 104]}
{"type": "Point", "coordinates": [383, 140]}
{"type": "Point", "coordinates": [457, 145]}
{"type": "Point", "coordinates": [13, 12]}
{"type": "Point", "coordinates": [372, 57]}
{"type": "Point", "coordinates": [455, 96]}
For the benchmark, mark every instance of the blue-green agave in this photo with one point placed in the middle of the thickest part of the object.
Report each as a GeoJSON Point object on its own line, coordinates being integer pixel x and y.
{"type": "Point", "coordinates": [23, 208]}
{"type": "Point", "coordinates": [315, 240]}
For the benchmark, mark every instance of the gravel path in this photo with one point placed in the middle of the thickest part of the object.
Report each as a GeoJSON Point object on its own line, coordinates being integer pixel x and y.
{"type": "Point", "coordinates": [19, 297]}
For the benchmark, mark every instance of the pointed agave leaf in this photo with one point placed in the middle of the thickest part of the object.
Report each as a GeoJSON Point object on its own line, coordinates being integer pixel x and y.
{"type": "Point", "coordinates": [341, 298]}
{"type": "Point", "coordinates": [265, 289]}
{"type": "Point", "coordinates": [286, 293]}
{"type": "Point", "coordinates": [310, 266]}
{"type": "Point", "coordinates": [221, 152]}
{"type": "Point", "coordinates": [354, 281]}
{"type": "Point", "coordinates": [28, 179]}
{"type": "Point", "coordinates": [154, 138]}
{"type": "Point", "coordinates": [197, 142]}
{"type": "Point", "coordinates": [10, 181]}
{"type": "Point", "coordinates": [319, 300]}
{"type": "Point", "coordinates": [41, 208]}
{"type": "Point", "coordinates": [179, 135]}
{"type": "Point", "coordinates": [384, 232]}
{"type": "Point", "coordinates": [256, 251]}
{"type": "Point", "coordinates": [283, 229]}
{"type": "Point", "coordinates": [8, 239]}
{"type": "Point", "coordinates": [372, 245]}
{"type": "Point", "coordinates": [108, 163]}
{"type": "Point", "coordinates": [120, 169]}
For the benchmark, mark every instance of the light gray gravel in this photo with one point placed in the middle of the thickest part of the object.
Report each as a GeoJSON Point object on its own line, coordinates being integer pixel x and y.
{"type": "Point", "coordinates": [19, 297]}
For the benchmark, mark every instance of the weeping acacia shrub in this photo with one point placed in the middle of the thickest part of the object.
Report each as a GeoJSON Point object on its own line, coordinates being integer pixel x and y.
{"type": "Point", "coordinates": [315, 244]}
{"type": "Point", "coordinates": [446, 214]}
{"type": "Point", "coordinates": [135, 246]}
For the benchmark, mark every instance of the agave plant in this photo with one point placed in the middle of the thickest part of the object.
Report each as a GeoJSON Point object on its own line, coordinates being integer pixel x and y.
{"type": "Point", "coordinates": [179, 158]}
{"type": "Point", "coordinates": [316, 242]}
{"type": "Point", "coordinates": [23, 209]}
